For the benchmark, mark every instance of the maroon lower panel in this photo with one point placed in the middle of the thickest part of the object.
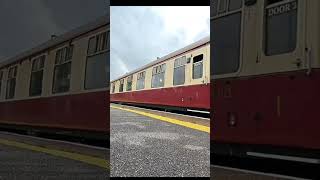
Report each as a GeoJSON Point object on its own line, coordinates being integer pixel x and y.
{"type": "Point", "coordinates": [196, 96]}
{"type": "Point", "coordinates": [280, 110]}
{"type": "Point", "coordinates": [86, 111]}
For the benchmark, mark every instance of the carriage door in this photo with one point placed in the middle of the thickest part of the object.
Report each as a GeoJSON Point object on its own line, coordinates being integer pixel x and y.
{"type": "Point", "coordinates": [197, 76]}
{"type": "Point", "coordinates": [282, 53]}
{"type": "Point", "coordinates": [234, 50]}
{"type": "Point", "coordinates": [282, 42]}
{"type": "Point", "coordinates": [198, 69]}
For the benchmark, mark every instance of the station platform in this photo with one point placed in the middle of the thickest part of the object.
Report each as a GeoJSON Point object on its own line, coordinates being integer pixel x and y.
{"type": "Point", "coordinates": [26, 157]}
{"type": "Point", "coordinates": [150, 143]}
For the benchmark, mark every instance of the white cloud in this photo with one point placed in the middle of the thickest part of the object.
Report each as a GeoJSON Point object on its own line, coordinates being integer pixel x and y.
{"type": "Point", "coordinates": [186, 20]}
{"type": "Point", "coordinates": [118, 65]}
{"type": "Point", "coordinates": [141, 34]}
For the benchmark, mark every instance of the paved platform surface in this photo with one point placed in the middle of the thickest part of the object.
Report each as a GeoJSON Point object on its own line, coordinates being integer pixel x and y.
{"type": "Point", "coordinates": [24, 164]}
{"type": "Point", "coordinates": [143, 146]}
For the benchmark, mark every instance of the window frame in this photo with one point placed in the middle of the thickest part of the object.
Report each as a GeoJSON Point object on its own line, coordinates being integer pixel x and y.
{"type": "Point", "coordinates": [104, 49]}
{"type": "Point", "coordinates": [222, 15]}
{"type": "Point", "coordinates": [86, 72]}
{"type": "Point", "coordinates": [196, 64]}
{"type": "Point", "coordinates": [121, 85]}
{"type": "Point", "coordinates": [226, 6]}
{"type": "Point", "coordinates": [40, 58]}
{"type": "Point", "coordinates": [226, 11]}
{"type": "Point", "coordinates": [113, 87]}
{"type": "Point", "coordinates": [131, 80]}
{"type": "Point", "coordinates": [102, 43]}
{"type": "Point", "coordinates": [94, 48]}
{"type": "Point", "coordinates": [141, 76]}
{"type": "Point", "coordinates": [60, 64]}
{"type": "Point", "coordinates": [156, 71]}
{"type": "Point", "coordinates": [265, 33]}
{"type": "Point", "coordinates": [180, 65]}
{"type": "Point", "coordinates": [9, 78]}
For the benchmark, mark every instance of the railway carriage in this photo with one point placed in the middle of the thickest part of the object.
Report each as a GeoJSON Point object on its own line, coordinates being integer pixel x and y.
{"type": "Point", "coordinates": [178, 81]}
{"type": "Point", "coordinates": [61, 85]}
{"type": "Point", "coordinates": [266, 74]}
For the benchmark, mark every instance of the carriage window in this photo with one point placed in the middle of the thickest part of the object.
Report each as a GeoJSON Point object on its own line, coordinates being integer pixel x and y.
{"type": "Point", "coordinates": [98, 43]}
{"type": "Point", "coordinates": [107, 68]}
{"type": "Point", "coordinates": [106, 44]}
{"type": "Point", "coordinates": [219, 7]}
{"type": "Point", "coordinates": [96, 71]}
{"type": "Point", "coordinates": [214, 6]}
{"type": "Point", "coordinates": [101, 42]}
{"type": "Point", "coordinates": [179, 70]}
{"type": "Point", "coordinates": [222, 5]}
{"type": "Point", "coordinates": [141, 80]}
{"type": "Point", "coordinates": [280, 40]}
{"type": "Point", "coordinates": [113, 87]}
{"type": "Point", "coordinates": [97, 68]}
{"type": "Point", "coordinates": [129, 83]}
{"type": "Point", "coordinates": [121, 85]}
{"type": "Point", "coordinates": [226, 49]}
{"type": "Point", "coordinates": [235, 4]}
{"type": "Point", "coordinates": [11, 83]}
{"type": "Point", "coordinates": [36, 76]}
{"type": "Point", "coordinates": [197, 67]}
{"type": "Point", "coordinates": [158, 73]}
{"type": "Point", "coordinates": [62, 70]}
{"type": "Point", "coordinates": [92, 45]}
{"type": "Point", "coordinates": [69, 52]}
{"type": "Point", "coordinates": [1, 76]}
{"type": "Point", "coordinates": [64, 54]}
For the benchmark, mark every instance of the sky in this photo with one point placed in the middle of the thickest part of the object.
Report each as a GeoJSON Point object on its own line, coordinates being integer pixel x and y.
{"type": "Point", "coordinates": [139, 35]}
{"type": "Point", "coordinates": [28, 23]}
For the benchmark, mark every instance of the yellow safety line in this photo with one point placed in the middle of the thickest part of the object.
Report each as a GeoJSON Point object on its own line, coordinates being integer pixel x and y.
{"type": "Point", "coordinates": [166, 119]}
{"type": "Point", "coordinates": [75, 156]}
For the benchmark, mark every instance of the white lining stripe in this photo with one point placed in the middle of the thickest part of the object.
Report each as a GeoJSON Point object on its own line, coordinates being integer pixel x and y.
{"type": "Point", "coordinates": [289, 158]}
{"type": "Point", "coordinates": [204, 112]}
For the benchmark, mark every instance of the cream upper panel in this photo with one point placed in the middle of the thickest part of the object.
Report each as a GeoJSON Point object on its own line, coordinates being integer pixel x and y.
{"type": "Point", "coordinates": [48, 73]}
{"type": "Point", "coordinates": [148, 78]}
{"type": "Point", "coordinates": [77, 70]}
{"type": "Point", "coordinates": [23, 77]}
{"type": "Point", "coordinates": [169, 72]}
{"type": "Point", "coordinates": [79, 64]}
{"type": "Point", "coordinates": [208, 62]}
{"type": "Point", "coordinates": [134, 82]}
{"type": "Point", "coordinates": [254, 61]}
